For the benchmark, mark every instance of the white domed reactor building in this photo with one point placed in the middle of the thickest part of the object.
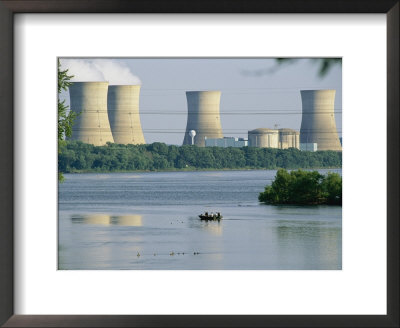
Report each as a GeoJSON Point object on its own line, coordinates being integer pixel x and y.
{"type": "Point", "coordinates": [89, 101]}
{"type": "Point", "coordinates": [264, 138]}
{"type": "Point", "coordinates": [289, 138]}
{"type": "Point", "coordinates": [123, 113]}
{"type": "Point", "coordinates": [318, 119]}
{"type": "Point", "coordinates": [203, 116]}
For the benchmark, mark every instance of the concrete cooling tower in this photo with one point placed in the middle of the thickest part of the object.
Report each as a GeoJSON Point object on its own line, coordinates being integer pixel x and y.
{"type": "Point", "coordinates": [318, 119]}
{"type": "Point", "coordinates": [203, 116]}
{"type": "Point", "coordinates": [123, 113]}
{"type": "Point", "coordinates": [89, 100]}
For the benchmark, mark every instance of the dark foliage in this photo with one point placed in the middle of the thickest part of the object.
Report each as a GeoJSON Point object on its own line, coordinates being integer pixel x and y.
{"type": "Point", "coordinates": [303, 187]}
{"type": "Point", "coordinates": [75, 156]}
{"type": "Point", "coordinates": [65, 117]}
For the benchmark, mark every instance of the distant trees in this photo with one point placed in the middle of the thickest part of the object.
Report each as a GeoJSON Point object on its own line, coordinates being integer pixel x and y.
{"type": "Point", "coordinates": [75, 156]}
{"type": "Point", "coordinates": [303, 187]}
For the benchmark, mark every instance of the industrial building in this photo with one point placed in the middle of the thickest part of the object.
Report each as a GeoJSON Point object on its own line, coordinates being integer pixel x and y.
{"type": "Point", "coordinates": [318, 119]}
{"type": "Point", "coordinates": [203, 117]}
{"type": "Point", "coordinates": [123, 113]}
{"type": "Point", "coordinates": [263, 137]}
{"type": "Point", "coordinates": [289, 138]}
{"type": "Point", "coordinates": [271, 138]}
{"type": "Point", "coordinates": [308, 147]}
{"type": "Point", "coordinates": [89, 101]}
{"type": "Point", "coordinates": [226, 142]}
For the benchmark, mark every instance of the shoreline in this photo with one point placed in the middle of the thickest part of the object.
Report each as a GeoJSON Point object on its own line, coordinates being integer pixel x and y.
{"type": "Point", "coordinates": [197, 170]}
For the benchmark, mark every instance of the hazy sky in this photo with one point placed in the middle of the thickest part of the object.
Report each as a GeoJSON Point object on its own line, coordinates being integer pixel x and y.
{"type": "Point", "coordinates": [254, 93]}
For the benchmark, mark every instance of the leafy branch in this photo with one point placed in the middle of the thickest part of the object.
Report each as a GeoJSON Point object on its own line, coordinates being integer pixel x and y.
{"type": "Point", "coordinates": [66, 117]}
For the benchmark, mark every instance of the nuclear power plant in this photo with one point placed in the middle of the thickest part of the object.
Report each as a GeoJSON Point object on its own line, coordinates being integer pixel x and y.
{"type": "Point", "coordinates": [89, 101]}
{"type": "Point", "coordinates": [203, 117]}
{"type": "Point", "coordinates": [111, 114]}
{"type": "Point", "coordinates": [318, 119]}
{"type": "Point", "coordinates": [123, 113]}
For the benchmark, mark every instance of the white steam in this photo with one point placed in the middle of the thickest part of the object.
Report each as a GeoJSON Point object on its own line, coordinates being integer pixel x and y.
{"type": "Point", "coordinates": [92, 70]}
{"type": "Point", "coordinates": [82, 70]}
{"type": "Point", "coordinates": [115, 72]}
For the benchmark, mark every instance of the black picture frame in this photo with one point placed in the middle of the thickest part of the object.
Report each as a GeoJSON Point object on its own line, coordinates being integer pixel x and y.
{"type": "Point", "coordinates": [7, 10]}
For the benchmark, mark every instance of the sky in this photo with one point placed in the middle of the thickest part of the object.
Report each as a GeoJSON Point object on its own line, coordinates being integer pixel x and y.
{"type": "Point", "coordinates": [255, 92]}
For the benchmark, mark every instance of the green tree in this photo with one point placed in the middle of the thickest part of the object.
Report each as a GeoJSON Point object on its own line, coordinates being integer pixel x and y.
{"type": "Point", "coordinates": [306, 188]}
{"type": "Point", "coordinates": [332, 187]}
{"type": "Point", "coordinates": [279, 191]}
{"type": "Point", "coordinates": [303, 187]}
{"type": "Point", "coordinates": [65, 118]}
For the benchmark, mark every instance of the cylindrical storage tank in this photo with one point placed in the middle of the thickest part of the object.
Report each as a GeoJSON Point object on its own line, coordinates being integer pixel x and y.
{"type": "Point", "coordinates": [89, 101]}
{"type": "Point", "coordinates": [289, 138]}
{"type": "Point", "coordinates": [318, 119]}
{"type": "Point", "coordinates": [265, 138]}
{"type": "Point", "coordinates": [123, 113]}
{"type": "Point", "coordinates": [203, 116]}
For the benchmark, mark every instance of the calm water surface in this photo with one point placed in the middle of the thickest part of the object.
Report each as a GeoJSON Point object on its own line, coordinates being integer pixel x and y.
{"type": "Point", "coordinates": [150, 221]}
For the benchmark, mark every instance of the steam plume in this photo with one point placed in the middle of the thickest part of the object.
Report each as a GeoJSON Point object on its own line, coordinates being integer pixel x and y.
{"type": "Point", "coordinates": [91, 70]}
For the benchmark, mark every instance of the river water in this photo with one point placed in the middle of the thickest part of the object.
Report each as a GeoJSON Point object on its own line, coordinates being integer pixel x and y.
{"type": "Point", "coordinates": [150, 221]}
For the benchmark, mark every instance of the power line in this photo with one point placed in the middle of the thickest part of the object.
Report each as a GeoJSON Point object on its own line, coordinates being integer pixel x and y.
{"type": "Point", "coordinates": [178, 131]}
{"type": "Point", "coordinates": [223, 88]}
{"type": "Point", "coordinates": [196, 89]}
{"type": "Point", "coordinates": [221, 113]}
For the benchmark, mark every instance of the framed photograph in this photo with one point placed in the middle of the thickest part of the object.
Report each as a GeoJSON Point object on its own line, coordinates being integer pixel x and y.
{"type": "Point", "coordinates": [195, 173]}
{"type": "Point", "coordinates": [164, 185]}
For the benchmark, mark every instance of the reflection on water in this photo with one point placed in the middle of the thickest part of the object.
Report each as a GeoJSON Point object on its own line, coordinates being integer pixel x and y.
{"type": "Point", "coordinates": [315, 239]}
{"type": "Point", "coordinates": [127, 220]}
{"type": "Point", "coordinates": [214, 227]}
{"type": "Point", "coordinates": [150, 221]}
{"type": "Point", "coordinates": [212, 174]}
{"type": "Point", "coordinates": [104, 219]}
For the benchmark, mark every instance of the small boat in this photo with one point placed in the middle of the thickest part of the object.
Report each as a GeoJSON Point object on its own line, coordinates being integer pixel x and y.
{"type": "Point", "coordinates": [211, 216]}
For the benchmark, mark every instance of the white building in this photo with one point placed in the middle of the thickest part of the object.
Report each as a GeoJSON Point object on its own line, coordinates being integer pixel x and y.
{"type": "Point", "coordinates": [309, 146]}
{"type": "Point", "coordinates": [226, 142]}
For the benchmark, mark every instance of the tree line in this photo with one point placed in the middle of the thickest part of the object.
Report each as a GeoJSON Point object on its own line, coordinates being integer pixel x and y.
{"type": "Point", "coordinates": [303, 188]}
{"type": "Point", "coordinates": [75, 156]}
